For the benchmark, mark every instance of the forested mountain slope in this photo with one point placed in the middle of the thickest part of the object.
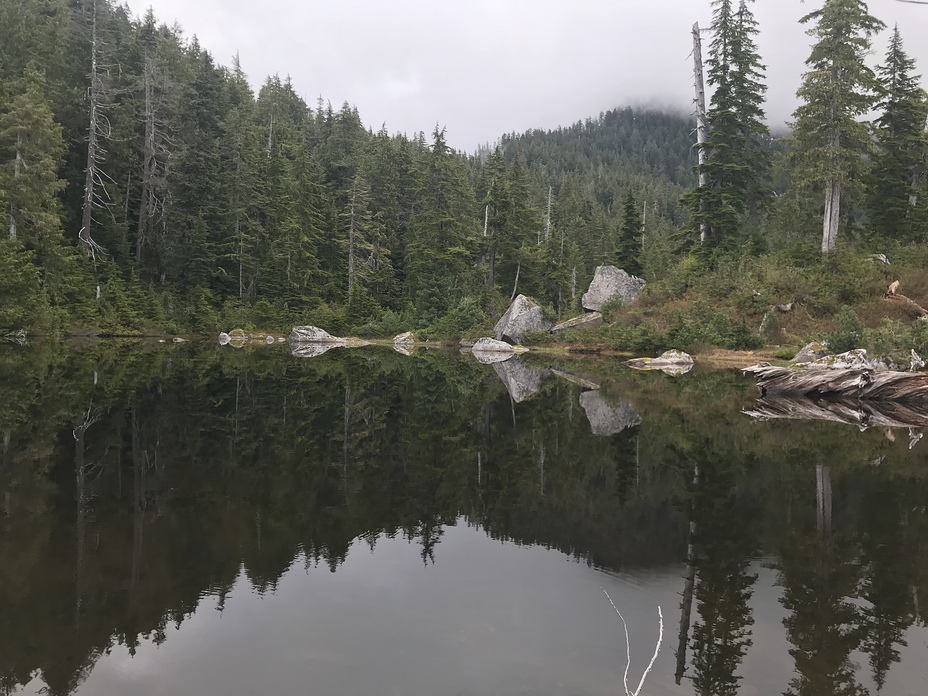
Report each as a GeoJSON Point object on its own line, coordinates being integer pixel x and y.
{"type": "Point", "coordinates": [146, 188]}
{"type": "Point", "coordinates": [163, 192]}
{"type": "Point", "coordinates": [649, 153]}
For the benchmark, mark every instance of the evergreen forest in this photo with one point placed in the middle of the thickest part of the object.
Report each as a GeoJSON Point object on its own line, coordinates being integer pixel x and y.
{"type": "Point", "coordinates": [145, 188]}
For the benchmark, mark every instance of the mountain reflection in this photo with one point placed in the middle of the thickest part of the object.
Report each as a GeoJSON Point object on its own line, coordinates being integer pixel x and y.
{"type": "Point", "coordinates": [137, 481]}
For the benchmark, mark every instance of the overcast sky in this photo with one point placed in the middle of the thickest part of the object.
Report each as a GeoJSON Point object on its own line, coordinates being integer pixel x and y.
{"type": "Point", "coordinates": [483, 68]}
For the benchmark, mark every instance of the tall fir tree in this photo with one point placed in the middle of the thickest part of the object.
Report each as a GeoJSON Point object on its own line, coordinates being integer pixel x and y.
{"type": "Point", "coordinates": [628, 255]}
{"type": "Point", "coordinates": [837, 89]}
{"type": "Point", "coordinates": [749, 90]}
{"type": "Point", "coordinates": [902, 152]}
{"type": "Point", "coordinates": [31, 149]}
{"type": "Point", "coordinates": [439, 251]}
{"type": "Point", "coordinates": [736, 166]}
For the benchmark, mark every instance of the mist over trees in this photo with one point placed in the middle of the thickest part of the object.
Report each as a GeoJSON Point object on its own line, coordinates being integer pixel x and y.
{"type": "Point", "coordinates": [145, 187]}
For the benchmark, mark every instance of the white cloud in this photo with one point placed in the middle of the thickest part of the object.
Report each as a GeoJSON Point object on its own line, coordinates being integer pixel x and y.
{"type": "Point", "coordinates": [488, 67]}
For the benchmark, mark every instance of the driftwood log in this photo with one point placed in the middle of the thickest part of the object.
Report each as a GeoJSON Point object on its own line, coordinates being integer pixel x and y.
{"type": "Point", "coordinates": [855, 383]}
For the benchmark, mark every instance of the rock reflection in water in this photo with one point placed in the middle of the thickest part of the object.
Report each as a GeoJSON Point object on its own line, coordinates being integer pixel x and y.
{"type": "Point", "coordinates": [311, 350]}
{"type": "Point", "coordinates": [522, 381]}
{"type": "Point", "coordinates": [608, 417]}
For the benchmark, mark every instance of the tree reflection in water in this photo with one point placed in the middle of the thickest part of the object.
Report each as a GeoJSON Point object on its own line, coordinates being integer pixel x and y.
{"type": "Point", "coordinates": [195, 465]}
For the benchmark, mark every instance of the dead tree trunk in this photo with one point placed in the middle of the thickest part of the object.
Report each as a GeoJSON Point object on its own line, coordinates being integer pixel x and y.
{"type": "Point", "coordinates": [831, 216]}
{"type": "Point", "coordinates": [701, 123]}
{"type": "Point", "coordinates": [93, 181]}
{"type": "Point", "coordinates": [81, 523]}
{"type": "Point", "coordinates": [548, 216]}
{"type": "Point", "coordinates": [138, 506]}
{"type": "Point", "coordinates": [354, 196]}
{"type": "Point", "coordinates": [17, 166]}
{"type": "Point", "coordinates": [148, 164]}
{"type": "Point", "coordinates": [823, 500]}
{"type": "Point", "coordinates": [689, 585]}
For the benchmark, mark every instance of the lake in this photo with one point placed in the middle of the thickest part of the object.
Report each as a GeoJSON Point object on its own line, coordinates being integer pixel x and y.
{"type": "Point", "coordinates": [195, 519]}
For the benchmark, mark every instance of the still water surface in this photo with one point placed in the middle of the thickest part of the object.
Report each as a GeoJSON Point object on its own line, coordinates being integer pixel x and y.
{"type": "Point", "coordinates": [180, 519]}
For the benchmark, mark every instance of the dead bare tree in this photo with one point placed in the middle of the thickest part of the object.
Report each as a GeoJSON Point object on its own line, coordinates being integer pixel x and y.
{"type": "Point", "coordinates": [354, 200]}
{"type": "Point", "coordinates": [99, 129]}
{"type": "Point", "coordinates": [702, 127]}
{"type": "Point", "coordinates": [155, 152]}
{"type": "Point", "coordinates": [17, 169]}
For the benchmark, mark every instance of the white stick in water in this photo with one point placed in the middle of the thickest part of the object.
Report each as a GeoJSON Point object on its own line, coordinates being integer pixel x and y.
{"type": "Point", "coordinates": [628, 655]}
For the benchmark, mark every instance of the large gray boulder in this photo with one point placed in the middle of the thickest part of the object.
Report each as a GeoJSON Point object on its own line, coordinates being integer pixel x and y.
{"type": "Point", "coordinates": [609, 281]}
{"type": "Point", "coordinates": [312, 334]}
{"type": "Point", "coordinates": [522, 382]}
{"type": "Point", "coordinates": [607, 417]}
{"type": "Point", "coordinates": [590, 320]}
{"type": "Point", "coordinates": [856, 359]}
{"type": "Point", "coordinates": [523, 316]}
{"type": "Point", "coordinates": [407, 337]}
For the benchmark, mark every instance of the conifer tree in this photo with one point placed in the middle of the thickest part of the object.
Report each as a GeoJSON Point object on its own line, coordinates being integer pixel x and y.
{"type": "Point", "coordinates": [736, 166]}
{"type": "Point", "coordinates": [22, 297]}
{"type": "Point", "coordinates": [368, 260]}
{"type": "Point", "coordinates": [749, 93]}
{"type": "Point", "coordinates": [31, 149]}
{"type": "Point", "coordinates": [902, 153]}
{"type": "Point", "coordinates": [836, 91]}
{"type": "Point", "coordinates": [438, 252]}
{"type": "Point", "coordinates": [518, 262]}
{"type": "Point", "coordinates": [629, 252]}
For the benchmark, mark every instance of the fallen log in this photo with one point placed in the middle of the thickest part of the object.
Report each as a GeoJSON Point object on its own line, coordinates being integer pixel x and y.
{"type": "Point", "coordinates": [854, 383]}
{"type": "Point", "coordinates": [902, 299]}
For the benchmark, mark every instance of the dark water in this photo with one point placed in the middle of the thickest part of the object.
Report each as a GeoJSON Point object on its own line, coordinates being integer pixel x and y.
{"type": "Point", "coordinates": [190, 520]}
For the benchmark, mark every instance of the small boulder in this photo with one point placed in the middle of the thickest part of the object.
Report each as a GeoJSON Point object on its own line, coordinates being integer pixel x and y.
{"type": "Point", "coordinates": [491, 345]}
{"type": "Point", "coordinates": [407, 337]}
{"type": "Point", "coordinates": [224, 339]}
{"type": "Point", "coordinates": [312, 334]}
{"type": "Point", "coordinates": [523, 316]}
{"type": "Point", "coordinates": [811, 352]}
{"type": "Point", "coordinates": [489, 351]}
{"type": "Point", "coordinates": [609, 281]}
{"type": "Point", "coordinates": [670, 362]}
{"type": "Point", "coordinates": [178, 339]}
{"type": "Point", "coordinates": [590, 320]}
{"type": "Point", "coordinates": [268, 340]}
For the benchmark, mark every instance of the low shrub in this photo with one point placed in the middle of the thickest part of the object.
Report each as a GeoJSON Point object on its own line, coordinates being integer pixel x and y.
{"type": "Point", "coordinates": [849, 332]}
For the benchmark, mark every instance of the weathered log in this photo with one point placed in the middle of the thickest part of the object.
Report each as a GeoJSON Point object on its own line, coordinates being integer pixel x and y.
{"type": "Point", "coordinates": [902, 299]}
{"type": "Point", "coordinates": [856, 383]}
